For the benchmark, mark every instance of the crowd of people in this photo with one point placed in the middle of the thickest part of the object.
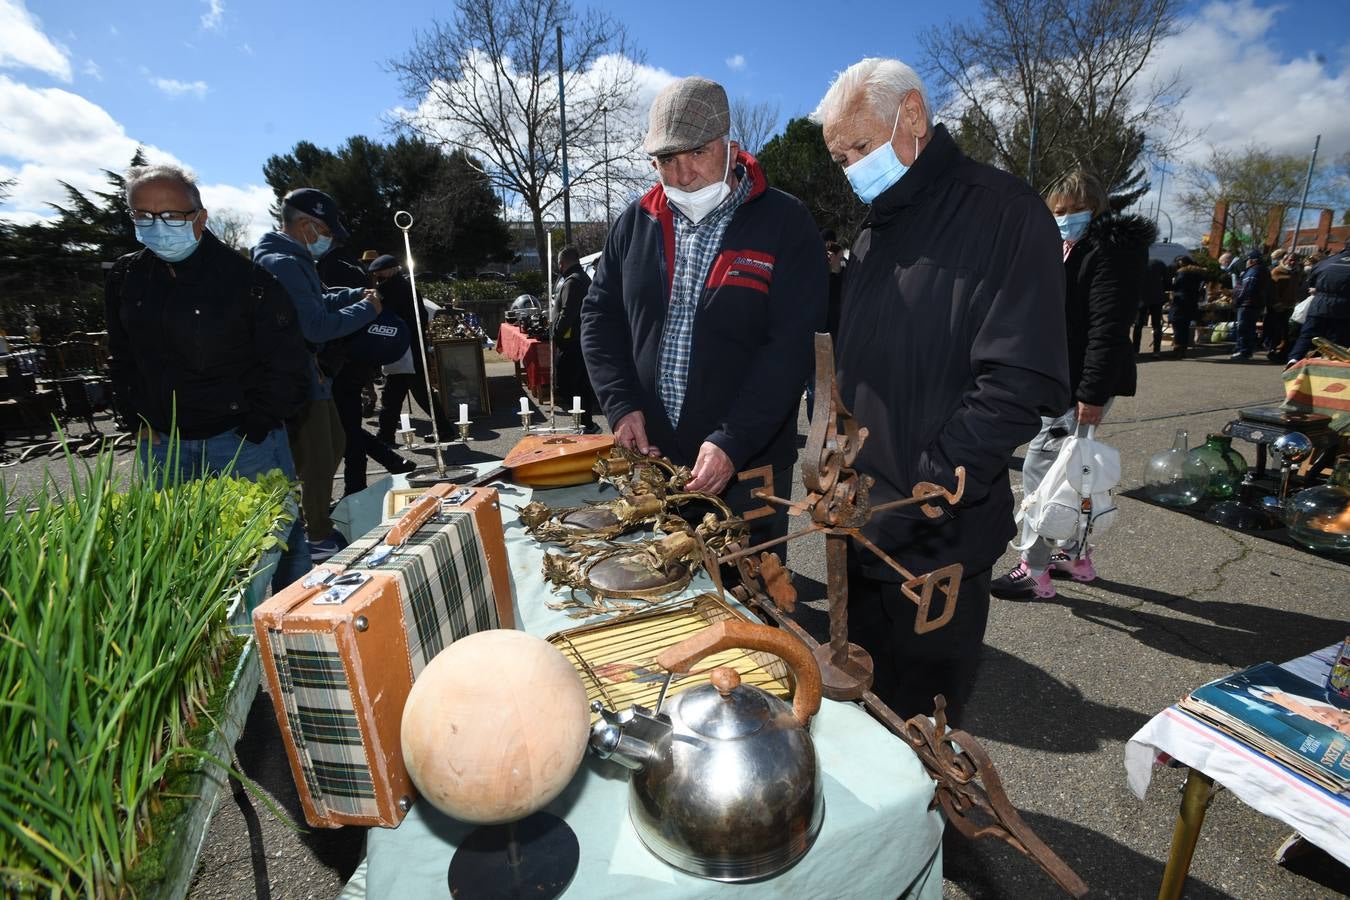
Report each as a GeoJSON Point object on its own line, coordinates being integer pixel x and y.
{"type": "Point", "coordinates": [970, 316]}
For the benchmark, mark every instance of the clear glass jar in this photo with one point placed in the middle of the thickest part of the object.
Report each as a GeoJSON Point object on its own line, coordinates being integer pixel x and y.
{"type": "Point", "coordinates": [1226, 466]}
{"type": "Point", "coordinates": [1173, 477]}
{"type": "Point", "coordinates": [1319, 517]}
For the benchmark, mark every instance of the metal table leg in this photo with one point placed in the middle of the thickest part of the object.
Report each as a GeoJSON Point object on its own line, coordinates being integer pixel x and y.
{"type": "Point", "coordinates": [1194, 802]}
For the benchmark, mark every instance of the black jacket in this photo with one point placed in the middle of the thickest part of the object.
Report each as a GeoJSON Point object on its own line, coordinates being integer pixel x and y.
{"type": "Point", "coordinates": [1331, 277]}
{"type": "Point", "coordinates": [951, 348]}
{"type": "Point", "coordinates": [751, 351]}
{"type": "Point", "coordinates": [1105, 274]}
{"type": "Point", "coordinates": [214, 331]}
{"type": "Point", "coordinates": [567, 327]}
{"type": "Point", "coordinates": [1188, 289]}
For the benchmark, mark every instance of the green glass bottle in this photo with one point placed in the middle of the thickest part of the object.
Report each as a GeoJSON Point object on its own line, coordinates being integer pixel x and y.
{"type": "Point", "coordinates": [1226, 466]}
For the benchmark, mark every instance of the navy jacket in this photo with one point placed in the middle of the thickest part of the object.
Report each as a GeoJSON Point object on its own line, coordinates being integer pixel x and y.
{"type": "Point", "coordinates": [951, 348]}
{"type": "Point", "coordinates": [763, 299]}
{"type": "Point", "coordinates": [212, 339]}
{"type": "Point", "coordinates": [324, 314]}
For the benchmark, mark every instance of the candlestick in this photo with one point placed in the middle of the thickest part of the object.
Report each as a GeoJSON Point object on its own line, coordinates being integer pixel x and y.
{"type": "Point", "coordinates": [576, 422]}
{"type": "Point", "coordinates": [525, 421]}
{"type": "Point", "coordinates": [463, 431]}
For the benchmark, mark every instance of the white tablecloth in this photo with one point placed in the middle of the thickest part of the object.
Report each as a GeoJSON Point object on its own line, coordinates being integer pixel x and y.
{"type": "Point", "coordinates": [1258, 781]}
{"type": "Point", "coordinates": [879, 838]}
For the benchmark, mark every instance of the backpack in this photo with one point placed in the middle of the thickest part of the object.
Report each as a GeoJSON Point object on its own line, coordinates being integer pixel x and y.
{"type": "Point", "coordinates": [1073, 501]}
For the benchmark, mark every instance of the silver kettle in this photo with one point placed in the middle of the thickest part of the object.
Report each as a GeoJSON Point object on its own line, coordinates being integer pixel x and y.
{"type": "Point", "coordinates": [726, 783]}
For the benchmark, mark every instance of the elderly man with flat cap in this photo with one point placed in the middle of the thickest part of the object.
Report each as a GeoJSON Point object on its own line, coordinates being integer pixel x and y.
{"type": "Point", "coordinates": [951, 348]}
{"type": "Point", "coordinates": [697, 328]}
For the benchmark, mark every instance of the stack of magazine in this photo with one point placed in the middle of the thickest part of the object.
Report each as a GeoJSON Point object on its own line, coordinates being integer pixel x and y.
{"type": "Point", "coordinates": [1282, 716]}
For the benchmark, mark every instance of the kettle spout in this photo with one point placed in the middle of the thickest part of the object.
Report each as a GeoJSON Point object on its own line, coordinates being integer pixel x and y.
{"type": "Point", "coordinates": [633, 738]}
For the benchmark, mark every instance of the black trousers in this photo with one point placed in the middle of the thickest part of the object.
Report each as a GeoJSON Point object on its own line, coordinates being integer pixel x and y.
{"type": "Point", "coordinates": [574, 381]}
{"type": "Point", "coordinates": [1146, 313]}
{"type": "Point", "coordinates": [910, 669]}
{"type": "Point", "coordinates": [348, 384]}
{"type": "Point", "coordinates": [396, 390]}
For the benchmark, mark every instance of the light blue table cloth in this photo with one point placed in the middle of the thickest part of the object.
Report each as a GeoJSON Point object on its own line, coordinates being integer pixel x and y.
{"type": "Point", "coordinates": [879, 838]}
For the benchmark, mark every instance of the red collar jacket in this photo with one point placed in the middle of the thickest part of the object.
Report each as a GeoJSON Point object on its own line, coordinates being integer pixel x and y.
{"type": "Point", "coordinates": [764, 297]}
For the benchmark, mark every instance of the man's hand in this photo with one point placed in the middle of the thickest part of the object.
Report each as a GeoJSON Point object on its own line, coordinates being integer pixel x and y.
{"type": "Point", "coordinates": [631, 432]}
{"type": "Point", "coordinates": [1089, 414]}
{"type": "Point", "coordinates": [373, 296]}
{"type": "Point", "coordinates": [712, 470]}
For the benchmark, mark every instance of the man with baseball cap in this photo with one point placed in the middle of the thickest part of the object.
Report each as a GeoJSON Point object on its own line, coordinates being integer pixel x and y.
{"type": "Point", "coordinates": [310, 225]}
{"type": "Point", "coordinates": [697, 329]}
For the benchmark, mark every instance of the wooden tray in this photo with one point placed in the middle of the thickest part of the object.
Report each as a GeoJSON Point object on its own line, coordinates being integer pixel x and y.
{"type": "Point", "coordinates": [617, 660]}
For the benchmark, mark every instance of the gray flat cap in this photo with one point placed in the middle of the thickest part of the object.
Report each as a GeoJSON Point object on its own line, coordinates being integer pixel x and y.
{"type": "Point", "coordinates": [687, 114]}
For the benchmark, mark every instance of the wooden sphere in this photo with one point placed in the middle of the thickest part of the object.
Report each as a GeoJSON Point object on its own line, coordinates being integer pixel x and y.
{"type": "Point", "coordinates": [495, 727]}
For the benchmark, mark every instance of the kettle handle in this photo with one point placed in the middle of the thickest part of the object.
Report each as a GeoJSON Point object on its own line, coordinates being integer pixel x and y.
{"type": "Point", "coordinates": [729, 634]}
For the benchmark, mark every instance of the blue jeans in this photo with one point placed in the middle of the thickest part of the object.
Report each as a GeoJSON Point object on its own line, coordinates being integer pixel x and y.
{"type": "Point", "coordinates": [1246, 330]}
{"type": "Point", "coordinates": [228, 452]}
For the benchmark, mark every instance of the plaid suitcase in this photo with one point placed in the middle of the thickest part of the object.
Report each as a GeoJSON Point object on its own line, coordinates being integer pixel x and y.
{"type": "Point", "coordinates": [345, 643]}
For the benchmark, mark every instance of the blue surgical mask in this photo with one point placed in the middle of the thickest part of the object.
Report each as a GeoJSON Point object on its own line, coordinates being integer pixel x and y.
{"type": "Point", "coordinates": [320, 245]}
{"type": "Point", "coordinates": [879, 169]}
{"type": "Point", "coordinates": [1072, 226]}
{"type": "Point", "coordinates": [170, 243]}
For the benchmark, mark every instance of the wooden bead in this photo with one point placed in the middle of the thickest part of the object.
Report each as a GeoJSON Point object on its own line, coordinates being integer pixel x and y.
{"type": "Point", "coordinates": [495, 727]}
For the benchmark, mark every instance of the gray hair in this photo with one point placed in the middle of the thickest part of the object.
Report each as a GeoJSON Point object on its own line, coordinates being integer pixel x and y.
{"type": "Point", "coordinates": [1084, 188]}
{"type": "Point", "coordinates": [884, 82]}
{"type": "Point", "coordinates": [139, 175]}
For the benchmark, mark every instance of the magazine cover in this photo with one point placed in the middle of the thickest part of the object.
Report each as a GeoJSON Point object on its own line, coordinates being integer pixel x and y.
{"type": "Point", "coordinates": [1288, 711]}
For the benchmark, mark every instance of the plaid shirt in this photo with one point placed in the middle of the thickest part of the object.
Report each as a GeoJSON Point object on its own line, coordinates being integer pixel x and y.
{"type": "Point", "coordinates": [696, 247]}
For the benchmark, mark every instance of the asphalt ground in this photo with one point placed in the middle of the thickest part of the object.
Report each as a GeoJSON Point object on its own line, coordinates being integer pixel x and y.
{"type": "Point", "coordinates": [1064, 682]}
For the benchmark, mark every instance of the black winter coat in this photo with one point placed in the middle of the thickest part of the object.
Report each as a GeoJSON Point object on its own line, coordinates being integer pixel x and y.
{"type": "Point", "coordinates": [1331, 277]}
{"type": "Point", "coordinates": [1188, 289]}
{"type": "Point", "coordinates": [1105, 274]}
{"type": "Point", "coordinates": [951, 348]}
{"type": "Point", "coordinates": [215, 333]}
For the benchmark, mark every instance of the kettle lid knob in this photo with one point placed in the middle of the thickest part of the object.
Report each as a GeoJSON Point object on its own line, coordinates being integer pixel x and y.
{"type": "Point", "coordinates": [725, 679]}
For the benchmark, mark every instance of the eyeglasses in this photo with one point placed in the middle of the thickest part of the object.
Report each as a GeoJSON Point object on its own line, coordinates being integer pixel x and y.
{"type": "Point", "coordinates": [173, 217]}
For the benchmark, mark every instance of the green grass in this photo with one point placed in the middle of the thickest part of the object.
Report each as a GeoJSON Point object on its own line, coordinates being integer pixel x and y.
{"type": "Point", "coordinates": [112, 641]}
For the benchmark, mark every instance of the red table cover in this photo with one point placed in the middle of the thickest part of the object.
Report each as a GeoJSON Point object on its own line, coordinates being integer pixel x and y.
{"type": "Point", "coordinates": [532, 355]}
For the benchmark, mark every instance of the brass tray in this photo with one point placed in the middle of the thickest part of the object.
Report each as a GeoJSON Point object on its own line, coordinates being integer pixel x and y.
{"type": "Point", "coordinates": [617, 660]}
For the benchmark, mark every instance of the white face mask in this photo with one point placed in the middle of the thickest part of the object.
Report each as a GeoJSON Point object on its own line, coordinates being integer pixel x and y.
{"type": "Point", "coordinates": [697, 204]}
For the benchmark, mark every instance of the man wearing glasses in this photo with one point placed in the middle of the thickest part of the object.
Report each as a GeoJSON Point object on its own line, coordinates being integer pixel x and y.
{"type": "Point", "coordinates": [697, 328]}
{"type": "Point", "coordinates": [202, 341]}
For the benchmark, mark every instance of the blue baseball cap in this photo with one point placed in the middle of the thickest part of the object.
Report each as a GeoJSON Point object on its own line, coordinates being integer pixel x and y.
{"type": "Point", "coordinates": [314, 202]}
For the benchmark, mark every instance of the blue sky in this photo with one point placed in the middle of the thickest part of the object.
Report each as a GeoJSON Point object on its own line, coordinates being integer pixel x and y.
{"type": "Point", "coordinates": [221, 84]}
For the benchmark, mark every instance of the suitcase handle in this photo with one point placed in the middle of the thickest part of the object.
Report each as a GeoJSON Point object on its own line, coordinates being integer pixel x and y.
{"type": "Point", "coordinates": [417, 514]}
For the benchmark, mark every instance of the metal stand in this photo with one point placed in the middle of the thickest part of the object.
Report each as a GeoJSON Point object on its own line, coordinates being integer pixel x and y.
{"type": "Point", "coordinates": [534, 858]}
{"type": "Point", "coordinates": [463, 431]}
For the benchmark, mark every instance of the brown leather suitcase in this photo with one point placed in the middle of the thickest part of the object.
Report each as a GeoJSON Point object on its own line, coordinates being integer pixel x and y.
{"type": "Point", "coordinates": [343, 645]}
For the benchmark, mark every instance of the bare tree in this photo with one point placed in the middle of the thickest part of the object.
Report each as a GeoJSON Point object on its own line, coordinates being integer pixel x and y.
{"type": "Point", "coordinates": [752, 124]}
{"type": "Point", "coordinates": [486, 82]}
{"type": "Point", "coordinates": [231, 226]}
{"type": "Point", "coordinates": [1255, 181]}
{"type": "Point", "coordinates": [1069, 70]}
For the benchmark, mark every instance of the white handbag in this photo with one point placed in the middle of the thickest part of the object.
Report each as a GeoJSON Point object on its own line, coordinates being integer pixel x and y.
{"type": "Point", "coordinates": [1074, 499]}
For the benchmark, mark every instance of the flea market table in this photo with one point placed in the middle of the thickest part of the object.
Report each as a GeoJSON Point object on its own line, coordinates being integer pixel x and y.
{"type": "Point", "coordinates": [531, 356]}
{"type": "Point", "coordinates": [879, 839]}
{"type": "Point", "coordinates": [1320, 816]}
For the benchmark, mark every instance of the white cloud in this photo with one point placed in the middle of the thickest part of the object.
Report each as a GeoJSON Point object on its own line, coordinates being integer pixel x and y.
{"type": "Point", "coordinates": [175, 88]}
{"type": "Point", "coordinates": [253, 202]}
{"type": "Point", "coordinates": [211, 19]}
{"type": "Point", "coordinates": [736, 63]}
{"type": "Point", "coordinates": [92, 70]}
{"type": "Point", "coordinates": [1242, 91]}
{"type": "Point", "coordinates": [24, 46]}
{"type": "Point", "coordinates": [246, 48]}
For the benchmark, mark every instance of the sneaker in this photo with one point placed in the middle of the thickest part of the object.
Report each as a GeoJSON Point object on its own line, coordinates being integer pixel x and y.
{"type": "Point", "coordinates": [1020, 584]}
{"type": "Point", "coordinates": [1080, 569]}
{"type": "Point", "coordinates": [320, 551]}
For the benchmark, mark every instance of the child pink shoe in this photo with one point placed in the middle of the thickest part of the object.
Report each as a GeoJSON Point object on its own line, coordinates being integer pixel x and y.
{"type": "Point", "coordinates": [1080, 569]}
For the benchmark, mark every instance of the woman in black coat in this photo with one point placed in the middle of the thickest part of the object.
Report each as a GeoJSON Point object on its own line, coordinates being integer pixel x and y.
{"type": "Point", "coordinates": [1105, 271]}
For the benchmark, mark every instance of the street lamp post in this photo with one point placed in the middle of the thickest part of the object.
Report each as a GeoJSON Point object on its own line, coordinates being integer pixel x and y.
{"type": "Point", "coordinates": [604, 114]}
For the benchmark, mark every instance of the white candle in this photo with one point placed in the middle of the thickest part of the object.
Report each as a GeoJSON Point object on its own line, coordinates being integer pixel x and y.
{"type": "Point", "coordinates": [405, 420]}
{"type": "Point", "coordinates": [463, 414]}
{"type": "Point", "coordinates": [524, 406]}
{"type": "Point", "coordinates": [576, 404]}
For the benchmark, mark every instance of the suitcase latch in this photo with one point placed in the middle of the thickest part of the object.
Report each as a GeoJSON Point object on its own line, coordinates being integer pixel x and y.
{"type": "Point", "coordinates": [458, 498]}
{"type": "Point", "coordinates": [341, 588]}
{"type": "Point", "coordinates": [318, 577]}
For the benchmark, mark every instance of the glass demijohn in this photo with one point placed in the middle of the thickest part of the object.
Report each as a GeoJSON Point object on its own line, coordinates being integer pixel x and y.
{"type": "Point", "coordinates": [1226, 466]}
{"type": "Point", "coordinates": [1319, 517]}
{"type": "Point", "coordinates": [1174, 478]}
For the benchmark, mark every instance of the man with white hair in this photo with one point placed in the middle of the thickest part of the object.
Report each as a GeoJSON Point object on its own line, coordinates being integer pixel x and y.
{"type": "Point", "coordinates": [203, 348]}
{"type": "Point", "coordinates": [951, 348]}
{"type": "Point", "coordinates": [697, 328]}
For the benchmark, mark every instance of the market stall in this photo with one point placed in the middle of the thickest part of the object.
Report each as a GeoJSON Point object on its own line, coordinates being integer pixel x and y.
{"type": "Point", "coordinates": [531, 356]}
